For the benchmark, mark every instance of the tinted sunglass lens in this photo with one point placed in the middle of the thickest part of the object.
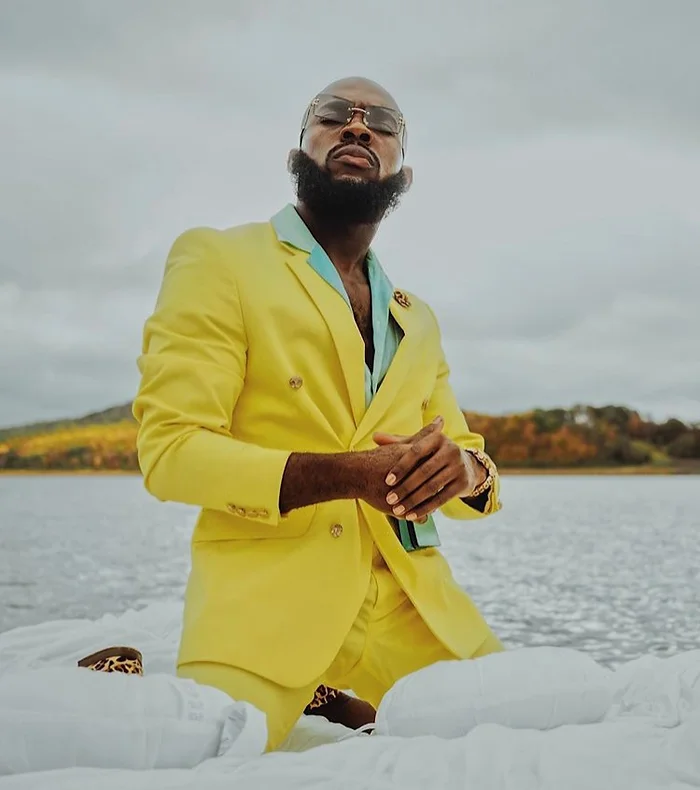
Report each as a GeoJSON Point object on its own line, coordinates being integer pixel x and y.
{"type": "Point", "coordinates": [332, 109]}
{"type": "Point", "coordinates": [383, 119]}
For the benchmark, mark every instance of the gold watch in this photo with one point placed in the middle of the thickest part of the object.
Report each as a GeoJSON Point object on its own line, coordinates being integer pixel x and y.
{"type": "Point", "coordinates": [490, 468]}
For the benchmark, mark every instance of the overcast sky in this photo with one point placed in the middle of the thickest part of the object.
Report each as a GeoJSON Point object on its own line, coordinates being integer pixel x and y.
{"type": "Point", "coordinates": [554, 223]}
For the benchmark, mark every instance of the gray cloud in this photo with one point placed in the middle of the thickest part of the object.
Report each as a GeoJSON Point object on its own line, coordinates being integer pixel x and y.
{"type": "Point", "coordinates": [553, 223]}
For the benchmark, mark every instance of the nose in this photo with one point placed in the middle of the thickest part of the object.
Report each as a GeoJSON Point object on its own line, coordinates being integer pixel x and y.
{"type": "Point", "coordinates": [355, 129]}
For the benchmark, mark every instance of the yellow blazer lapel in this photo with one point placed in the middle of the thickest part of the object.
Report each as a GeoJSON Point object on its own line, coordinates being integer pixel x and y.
{"type": "Point", "coordinates": [410, 321]}
{"type": "Point", "coordinates": [341, 324]}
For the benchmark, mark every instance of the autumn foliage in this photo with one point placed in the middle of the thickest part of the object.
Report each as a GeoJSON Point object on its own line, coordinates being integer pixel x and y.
{"type": "Point", "coordinates": [581, 437]}
{"type": "Point", "coordinates": [585, 436]}
{"type": "Point", "coordinates": [99, 447]}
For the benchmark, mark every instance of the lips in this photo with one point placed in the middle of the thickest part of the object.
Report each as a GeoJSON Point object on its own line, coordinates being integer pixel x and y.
{"type": "Point", "coordinates": [354, 154]}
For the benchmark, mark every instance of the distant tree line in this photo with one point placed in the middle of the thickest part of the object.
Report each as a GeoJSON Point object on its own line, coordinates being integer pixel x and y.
{"type": "Point", "coordinates": [586, 436]}
{"type": "Point", "coordinates": [75, 458]}
{"type": "Point", "coordinates": [539, 439]}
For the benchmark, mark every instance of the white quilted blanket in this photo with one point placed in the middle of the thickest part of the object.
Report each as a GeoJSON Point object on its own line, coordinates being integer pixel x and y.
{"type": "Point", "coordinates": [648, 740]}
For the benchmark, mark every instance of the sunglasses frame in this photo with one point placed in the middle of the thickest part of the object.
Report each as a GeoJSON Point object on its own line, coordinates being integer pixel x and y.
{"type": "Point", "coordinates": [366, 112]}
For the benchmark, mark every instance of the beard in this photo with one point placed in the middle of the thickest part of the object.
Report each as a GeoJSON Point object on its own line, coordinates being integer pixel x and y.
{"type": "Point", "coordinates": [344, 201]}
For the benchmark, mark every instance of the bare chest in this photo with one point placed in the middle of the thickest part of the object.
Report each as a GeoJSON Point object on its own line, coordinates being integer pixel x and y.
{"type": "Point", "coordinates": [361, 301]}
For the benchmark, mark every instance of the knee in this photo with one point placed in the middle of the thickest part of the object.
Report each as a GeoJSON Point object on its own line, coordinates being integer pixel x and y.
{"type": "Point", "coordinates": [282, 707]}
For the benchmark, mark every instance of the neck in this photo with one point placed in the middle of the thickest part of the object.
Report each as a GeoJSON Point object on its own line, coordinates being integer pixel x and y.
{"type": "Point", "coordinates": [346, 245]}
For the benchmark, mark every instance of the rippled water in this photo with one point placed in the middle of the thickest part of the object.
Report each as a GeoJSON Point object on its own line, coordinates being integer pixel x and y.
{"type": "Point", "coordinates": [603, 564]}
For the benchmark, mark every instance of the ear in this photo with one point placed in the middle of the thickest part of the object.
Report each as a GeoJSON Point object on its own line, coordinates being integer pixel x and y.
{"type": "Point", "coordinates": [408, 171]}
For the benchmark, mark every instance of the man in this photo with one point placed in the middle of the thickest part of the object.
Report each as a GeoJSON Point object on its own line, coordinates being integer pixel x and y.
{"type": "Point", "coordinates": [291, 393]}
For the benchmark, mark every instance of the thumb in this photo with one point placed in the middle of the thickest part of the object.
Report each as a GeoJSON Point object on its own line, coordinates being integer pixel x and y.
{"type": "Point", "coordinates": [383, 439]}
{"type": "Point", "coordinates": [433, 427]}
{"type": "Point", "coordinates": [392, 438]}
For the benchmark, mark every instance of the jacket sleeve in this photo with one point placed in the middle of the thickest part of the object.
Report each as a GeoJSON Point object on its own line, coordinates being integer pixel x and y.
{"type": "Point", "coordinates": [444, 402]}
{"type": "Point", "coordinates": [192, 367]}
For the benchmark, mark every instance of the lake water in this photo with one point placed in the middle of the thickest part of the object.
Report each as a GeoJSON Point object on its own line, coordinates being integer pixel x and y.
{"type": "Point", "coordinates": [609, 565]}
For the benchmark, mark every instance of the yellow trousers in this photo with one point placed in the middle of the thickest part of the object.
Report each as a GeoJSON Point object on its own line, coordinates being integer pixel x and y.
{"type": "Point", "coordinates": [387, 641]}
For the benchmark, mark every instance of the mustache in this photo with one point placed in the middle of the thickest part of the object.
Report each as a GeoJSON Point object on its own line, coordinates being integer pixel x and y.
{"type": "Point", "coordinates": [346, 144]}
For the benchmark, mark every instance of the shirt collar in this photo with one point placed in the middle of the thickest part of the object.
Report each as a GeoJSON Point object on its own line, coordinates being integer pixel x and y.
{"type": "Point", "coordinates": [291, 229]}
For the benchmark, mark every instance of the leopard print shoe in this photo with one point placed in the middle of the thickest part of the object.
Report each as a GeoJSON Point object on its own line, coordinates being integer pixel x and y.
{"type": "Point", "coordinates": [114, 659]}
{"type": "Point", "coordinates": [340, 708]}
{"type": "Point", "coordinates": [322, 696]}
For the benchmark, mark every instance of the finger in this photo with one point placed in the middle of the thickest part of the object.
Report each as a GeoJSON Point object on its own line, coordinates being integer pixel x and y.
{"type": "Point", "coordinates": [417, 478]}
{"type": "Point", "coordinates": [428, 437]}
{"type": "Point", "coordinates": [413, 456]}
{"type": "Point", "coordinates": [431, 427]}
{"type": "Point", "coordinates": [389, 438]}
{"type": "Point", "coordinates": [382, 438]}
{"type": "Point", "coordinates": [431, 505]}
{"type": "Point", "coordinates": [445, 478]}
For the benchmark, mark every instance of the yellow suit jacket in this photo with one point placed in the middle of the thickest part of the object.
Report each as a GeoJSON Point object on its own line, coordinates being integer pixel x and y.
{"type": "Point", "coordinates": [247, 358]}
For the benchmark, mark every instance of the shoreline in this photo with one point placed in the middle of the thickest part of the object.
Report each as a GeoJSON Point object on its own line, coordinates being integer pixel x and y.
{"type": "Point", "coordinates": [634, 471]}
{"type": "Point", "coordinates": [69, 473]}
{"type": "Point", "coordinates": [624, 471]}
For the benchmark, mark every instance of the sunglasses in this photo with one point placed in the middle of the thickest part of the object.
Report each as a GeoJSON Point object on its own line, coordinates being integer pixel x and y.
{"type": "Point", "coordinates": [333, 109]}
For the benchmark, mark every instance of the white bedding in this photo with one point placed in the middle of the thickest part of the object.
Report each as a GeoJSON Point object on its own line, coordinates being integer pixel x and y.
{"type": "Point", "coordinates": [648, 740]}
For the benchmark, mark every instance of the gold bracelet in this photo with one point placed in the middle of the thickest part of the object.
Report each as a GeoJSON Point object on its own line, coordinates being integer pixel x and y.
{"type": "Point", "coordinates": [491, 471]}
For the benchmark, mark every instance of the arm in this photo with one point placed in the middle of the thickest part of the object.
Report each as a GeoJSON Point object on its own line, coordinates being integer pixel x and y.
{"type": "Point", "coordinates": [192, 370]}
{"type": "Point", "coordinates": [311, 478]}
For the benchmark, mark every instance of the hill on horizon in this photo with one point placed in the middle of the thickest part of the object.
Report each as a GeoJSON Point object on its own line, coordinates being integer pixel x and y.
{"type": "Point", "coordinates": [106, 416]}
{"type": "Point", "coordinates": [123, 412]}
{"type": "Point", "coordinates": [576, 438]}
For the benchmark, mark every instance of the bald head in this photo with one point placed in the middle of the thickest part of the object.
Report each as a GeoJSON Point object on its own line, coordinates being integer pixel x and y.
{"type": "Point", "coordinates": [352, 87]}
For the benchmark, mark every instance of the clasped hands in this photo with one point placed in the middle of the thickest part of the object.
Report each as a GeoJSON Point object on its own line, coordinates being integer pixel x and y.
{"type": "Point", "coordinates": [410, 477]}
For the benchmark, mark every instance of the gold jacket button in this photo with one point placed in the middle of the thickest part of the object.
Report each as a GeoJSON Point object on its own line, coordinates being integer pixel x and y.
{"type": "Point", "coordinates": [258, 513]}
{"type": "Point", "coordinates": [240, 511]}
{"type": "Point", "coordinates": [231, 508]}
{"type": "Point", "coordinates": [337, 530]}
{"type": "Point", "coordinates": [296, 382]}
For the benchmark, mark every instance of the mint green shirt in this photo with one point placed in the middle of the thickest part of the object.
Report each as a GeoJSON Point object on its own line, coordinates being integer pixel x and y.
{"type": "Point", "coordinates": [387, 334]}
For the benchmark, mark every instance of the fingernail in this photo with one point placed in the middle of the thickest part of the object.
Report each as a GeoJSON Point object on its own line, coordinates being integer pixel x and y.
{"type": "Point", "coordinates": [390, 480]}
{"type": "Point", "coordinates": [399, 510]}
{"type": "Point", "coordinates": [411, 517]}
{"type": "Point", "coordinates": [437, 420]}
{"type": "Point", "coordinates": [392, 499]}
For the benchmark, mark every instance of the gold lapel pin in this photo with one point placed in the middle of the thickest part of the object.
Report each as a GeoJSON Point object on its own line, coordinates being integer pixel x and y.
{"type": "Point", "coordinates": [402, 299]}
